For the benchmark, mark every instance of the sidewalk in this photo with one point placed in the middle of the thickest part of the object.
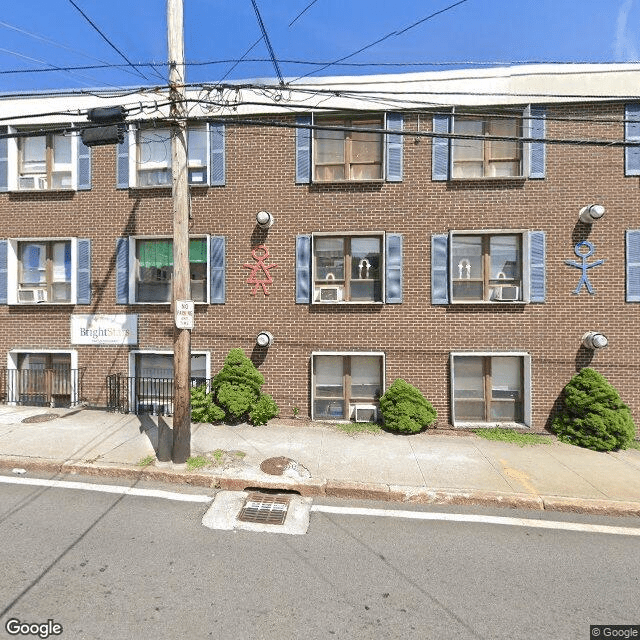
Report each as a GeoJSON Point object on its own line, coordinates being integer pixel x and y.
{"type": "Point", "coordinates": [319, 460]}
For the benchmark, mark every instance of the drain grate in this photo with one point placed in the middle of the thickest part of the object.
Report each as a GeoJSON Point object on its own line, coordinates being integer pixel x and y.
{"type": "Point", "coordinates": [264, 509]}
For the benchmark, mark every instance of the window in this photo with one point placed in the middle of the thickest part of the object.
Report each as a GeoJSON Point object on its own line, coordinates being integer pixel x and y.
{"type": "Point", "coordinates": [346, 386]}
{"type": "Point", "coordinates": [154, 157]}
{"type": "Point", "coordinates": [154, 269]}
{"type": "Point", "coordinates": [489, 388]}
{"type": "Point", "coordinates": [348, 155]}
{"type": "Point", "coordinates": [490, 267]}
{"type": "Point", "coordinates": [486, 268]}
{"type": "Point", "coordinates": [474, 158]}
{"type": "Point", "coordinates": [45, 162]}
{"type": "Point", "coordinates": [45, 270]}
{"type": "Point", "coordinates": [347, 268]}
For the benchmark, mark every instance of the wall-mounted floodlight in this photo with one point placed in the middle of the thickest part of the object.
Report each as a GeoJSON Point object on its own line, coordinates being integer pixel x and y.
{"type": "Point", "coordinates": [264, 219]}
{"type": "Point", "coordinates": [594, 340]}
{"type": "Point", "coordinates": [264, 339]}
{"type": "Point", "coordinates": [591, 213]}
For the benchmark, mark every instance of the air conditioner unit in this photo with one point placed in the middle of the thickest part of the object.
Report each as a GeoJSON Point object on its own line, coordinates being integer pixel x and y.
{"type": "Point", "coordinates": [33, 182]}
{"type": "Point", "coordinates": [507, 293]}
{"type": "Point", "coordinates": [329, 293]}
{"type": "Point", "coordinates": [364, 412]}
{"type": "Point", "coordinates": [32, 295]}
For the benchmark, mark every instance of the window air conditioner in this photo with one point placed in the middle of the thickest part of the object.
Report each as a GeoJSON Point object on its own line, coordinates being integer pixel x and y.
{"type": "Point", "coordinates": [33, 182]}
{"type": "Point", "coordinates": [32, 295]}
{"type": "Point", "coordinates": [329, 293]}
{"type": "Point", "coordinates": [508, 293]}
{"type": "Point", "coordinates": [364, 412]}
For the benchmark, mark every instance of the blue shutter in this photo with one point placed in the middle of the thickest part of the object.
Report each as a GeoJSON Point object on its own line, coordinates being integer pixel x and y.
{"type": "Point", "coordinates": [393, 142]}
{"type": "Point", "coordinates": [633, 265]}
{"type": "Point", "coordinates": [217, 173]}
{"type": "Point", "coordinates": [440, 269]}
{"type": "Point", "coordinates": [303, 151]}
{"type": "Point", "coordinates": [303, 269]}
{"type": "Point", "coordinates": [217, 288]}
{"type": "Point", "coordinates": [84, 166]}
{"type": "Point", "coordinates": [440, 148]}
{"type": "Point", "coordinates": [3, 271]}
{"type": "Point", "coordinates": [537, 150]}
{"type": "Point", "coordinates": [632, 134]}
{"type": "Point", "coordinates": [122, 271]}
{"type": "Point", "coordinates": [122, 163]}
{"type": "Point", "coordinates": [537, 287]}
{"type": "Point", "coordinates": [393, 268]}
{"type": "Point", "coordinates": [83, 271]}
{"type": "Point", "coordinates": [4, 162]}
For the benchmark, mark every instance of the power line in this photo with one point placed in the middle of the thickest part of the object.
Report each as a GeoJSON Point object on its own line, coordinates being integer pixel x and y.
{"type": "Point", "coordinates": [104, 37]}
{"type": "Point", "coordinates": [265, 36]}
{"type": "Point", "coordinates": [303, 11]}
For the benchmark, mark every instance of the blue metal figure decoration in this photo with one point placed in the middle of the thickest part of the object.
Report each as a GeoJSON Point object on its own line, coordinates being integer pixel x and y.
{"type": "Point", "coordinates": [584, 280]}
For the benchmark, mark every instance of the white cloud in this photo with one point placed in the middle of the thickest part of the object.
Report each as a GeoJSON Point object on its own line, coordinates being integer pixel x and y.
{"type": "Point", "coordinates": [624, 48]}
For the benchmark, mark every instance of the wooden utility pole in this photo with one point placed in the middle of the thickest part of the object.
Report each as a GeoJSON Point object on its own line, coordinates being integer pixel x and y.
{"type": "Point", "coordinates": [181, 274]}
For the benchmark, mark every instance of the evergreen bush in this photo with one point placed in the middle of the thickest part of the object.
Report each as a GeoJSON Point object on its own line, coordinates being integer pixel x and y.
{"type": "Point", "coordinates": [593, 415]}
{"type": "Point", "coordinates": [405, 409]}
{"type": "Point", "coordinates": [203, 409]}
{"type": "Point", "coordinates": [264, 410]}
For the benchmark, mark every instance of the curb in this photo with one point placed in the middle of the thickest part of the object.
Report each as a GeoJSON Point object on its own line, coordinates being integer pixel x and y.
{"type": "Point", "coordinates": [335, 488]}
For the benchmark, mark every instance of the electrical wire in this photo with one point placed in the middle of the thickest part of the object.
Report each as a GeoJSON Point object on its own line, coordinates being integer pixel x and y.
{"type": "Point", "coordinates": [303, 11]}
{"type": "Point", "coordinates": [267, 41]}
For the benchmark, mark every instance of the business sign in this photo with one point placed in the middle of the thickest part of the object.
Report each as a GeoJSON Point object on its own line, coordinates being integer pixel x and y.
{"type": "Point", "coordinates": [104, 329]}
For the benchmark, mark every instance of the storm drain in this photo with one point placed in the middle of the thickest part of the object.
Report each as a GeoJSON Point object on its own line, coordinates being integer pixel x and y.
{"type": "Point", "coordinates": [264, 509]}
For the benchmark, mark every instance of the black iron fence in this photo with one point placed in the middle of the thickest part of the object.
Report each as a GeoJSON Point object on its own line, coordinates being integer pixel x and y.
{"type": "Point", "coordinates": [129, 394]}
{"type": "Point", "coordinates": [58, 386]}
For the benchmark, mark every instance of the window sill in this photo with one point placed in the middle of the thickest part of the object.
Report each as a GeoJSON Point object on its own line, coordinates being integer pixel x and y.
{"type": "Point", "coordinates": [491, 179]}
{"type": "Point", "coordinates": [346, 302]}
{"type": "Point", "coordinates": [488, 303]}
{"type": "Point", "coordinates": [369, 181]}
{"type": "Point", "coordinates": [490, 425]}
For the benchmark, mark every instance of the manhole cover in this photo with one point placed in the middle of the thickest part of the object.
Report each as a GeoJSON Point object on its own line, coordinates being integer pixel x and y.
{"type": "Point", "coordinates": [42, 417]}
{"type": "Point", "coordinates": [263, 509]}
{"type": "Point", "coordinates": [275, 466]}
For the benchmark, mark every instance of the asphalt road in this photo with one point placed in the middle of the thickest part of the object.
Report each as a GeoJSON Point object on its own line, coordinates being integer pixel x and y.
{"type": "Point", "coordinates": [126, 567]}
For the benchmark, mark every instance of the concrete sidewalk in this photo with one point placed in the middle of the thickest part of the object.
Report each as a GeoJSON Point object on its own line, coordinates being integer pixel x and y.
{"type": "Point", "coordinates": [319, 460]}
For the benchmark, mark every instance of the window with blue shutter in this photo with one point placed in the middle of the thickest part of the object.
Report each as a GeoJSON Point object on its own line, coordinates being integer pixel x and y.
{"type": "Point", "coordinates": [217, 293]}
{"type": "Point", "coordinates": [394, 144]}
{"type": "Point", "coordinates": [537, 268]}
{"type": "Point", "coordinates": [440, 148]}
{"type": "Point", "coordinates": [83, 272]}
{"type": "Point", "coordinates": [217, 169]}
{"type": "Point", "coordinates": [84, 166]}
{"type": "Point", "coordinates": [122, 162]}
{"type": "Point", "coordinates": [440, 269]}
{"type": "Point", "coordinates": [633, 265]}
{"type": "Point", "coordinates": [303, 269]}
{"type": "Point", "coordinates": [122, 271]}
{"type": "Point", "coordinates": [303, 150]}
{"type": "Point", "coordinates": [3, 271]}
{"type": "Point", "coordinates": [4, 162]}
{"type": "Point", "coordinates": [393, 268]}
{"type": "Point", "coordinates": [536, 123]}
{"type": "Point", "coordinates": [632, 134]}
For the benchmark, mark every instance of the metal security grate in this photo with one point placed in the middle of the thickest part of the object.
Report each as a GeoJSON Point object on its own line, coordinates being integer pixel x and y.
{"type": "Point", "coordinates": [264, 509]}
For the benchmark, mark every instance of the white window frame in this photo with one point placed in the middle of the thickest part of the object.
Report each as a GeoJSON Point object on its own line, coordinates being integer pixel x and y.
{"type": "Point", "coordinates": [378, 354]}
{"type": "Point", "coordinates": [524, 155]}
{"type": "Point", "coordinates": [133, 136]}
{"type": "Point", "coordinates": [525, 293]}
{"type": "Point", "coordinates": [13, 159]}
{"type": "Point", "coordinates": [347, 268]}
{"type": "Point", "coordinates": [133, 240]}
{"type": "Point", "coordinates": [12, 365]}
{"type": "Point", "coordinates": [526, 388]}
{"type": "Point", "coordinates": [13, 267]}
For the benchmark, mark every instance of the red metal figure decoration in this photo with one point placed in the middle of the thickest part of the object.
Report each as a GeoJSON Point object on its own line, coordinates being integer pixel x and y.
{"type": "Point", "coordinates": [255, 268]}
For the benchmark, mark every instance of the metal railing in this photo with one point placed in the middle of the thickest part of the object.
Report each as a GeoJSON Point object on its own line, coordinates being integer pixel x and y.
{"type": "Point", "coordinates": [55, 387]}
{"type": "Point", "coordinates": [143, 394]}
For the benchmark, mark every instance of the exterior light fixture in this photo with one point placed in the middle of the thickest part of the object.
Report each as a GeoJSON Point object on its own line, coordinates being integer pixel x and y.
{"type": "Point", "coordinates": [591, 213]}
{"type": "Point", "coordinates": [264, 339]}
{"type": "Point", "coordinates": [264, 219]}
{"type": "Point", "coordinates": [594, 340]}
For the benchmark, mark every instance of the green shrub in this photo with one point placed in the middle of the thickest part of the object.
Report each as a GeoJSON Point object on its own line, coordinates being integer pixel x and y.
{"type": "Point", "coordinates": [593, 415]}
{"type": "Point", "coordinates": [203, 409]}
{"type": "Point", "coordinates": [264, 410]}
{"type": "Point", "coordinates": [405, 409]}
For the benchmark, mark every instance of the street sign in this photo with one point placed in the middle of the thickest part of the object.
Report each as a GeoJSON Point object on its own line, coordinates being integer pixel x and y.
{"type": "Point", "coordinates": [184, 314]}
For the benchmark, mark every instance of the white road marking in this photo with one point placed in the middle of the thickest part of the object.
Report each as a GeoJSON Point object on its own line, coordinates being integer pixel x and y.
{"type": "Point", "coordinates": [459, 517]}
{"type": "Point", "coordinates": [107, 488]}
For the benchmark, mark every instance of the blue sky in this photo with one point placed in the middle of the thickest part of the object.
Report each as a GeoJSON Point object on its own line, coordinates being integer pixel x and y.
{"type": "Point", "coordinates": [38, 33]}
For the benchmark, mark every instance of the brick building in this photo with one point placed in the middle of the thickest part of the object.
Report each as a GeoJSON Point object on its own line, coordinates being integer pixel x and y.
{"type": "Point", "coordinates": [420, 226]}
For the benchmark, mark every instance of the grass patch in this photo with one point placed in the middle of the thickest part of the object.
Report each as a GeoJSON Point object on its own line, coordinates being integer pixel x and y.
{"type": "Point", "coordinates": [145, 462]}
{"type": "Point", "coordinates": [511, 435]}
{"type": "Point", "coordinates": [635, 444]}
{"type": "Point", "coordinates": [358, 427]}
{"type": "Point", "coordinates": [196, 462]}
{"type": "Point", "coordinates": [218, 455]}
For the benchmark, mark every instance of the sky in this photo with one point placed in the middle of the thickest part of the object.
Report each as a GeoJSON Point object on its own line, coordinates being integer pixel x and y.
{"type": "Point", "coordinates": [39, 37]}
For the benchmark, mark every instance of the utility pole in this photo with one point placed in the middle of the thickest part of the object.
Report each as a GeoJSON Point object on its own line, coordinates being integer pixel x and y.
{"type": "Point", "coordinates": [181, 274]}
